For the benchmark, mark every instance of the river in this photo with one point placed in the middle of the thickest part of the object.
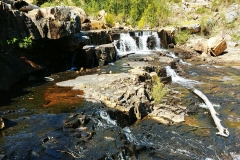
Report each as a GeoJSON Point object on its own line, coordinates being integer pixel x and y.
{"type": "Point", "coordinates": [35, 114]}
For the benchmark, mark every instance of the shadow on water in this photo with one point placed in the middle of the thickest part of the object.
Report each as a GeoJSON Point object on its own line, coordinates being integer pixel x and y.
{"type": "Point", "coordinates": [7, 97]}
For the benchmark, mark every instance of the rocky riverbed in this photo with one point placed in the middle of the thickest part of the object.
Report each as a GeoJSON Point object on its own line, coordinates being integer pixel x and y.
{"type": "Point", "coordinates": [104, 129]}
{"type": "Point", "coordinates": [83, 94]}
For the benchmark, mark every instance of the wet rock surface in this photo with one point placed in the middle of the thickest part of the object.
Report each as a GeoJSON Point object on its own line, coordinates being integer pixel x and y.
{"type": "Point", "coordinates": [94, 131]}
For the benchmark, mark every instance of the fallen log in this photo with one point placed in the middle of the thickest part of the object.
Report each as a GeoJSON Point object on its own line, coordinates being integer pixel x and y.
{"type": "Point", "coordinates": [221, 130]}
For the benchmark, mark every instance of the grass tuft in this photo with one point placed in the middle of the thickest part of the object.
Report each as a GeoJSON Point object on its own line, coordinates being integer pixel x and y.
{"type": "Point", "coordinates": [158, 90]}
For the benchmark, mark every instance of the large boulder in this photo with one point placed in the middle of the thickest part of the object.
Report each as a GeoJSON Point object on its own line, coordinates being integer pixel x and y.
{"type": "Point", "coordinates": [166, 36]}
{"type": "Point", "coordinates": [80, 12]}
{"type": "Point", "coordinates": [106, 53]}
{"type": "Point", "coordinates": [52, 22]}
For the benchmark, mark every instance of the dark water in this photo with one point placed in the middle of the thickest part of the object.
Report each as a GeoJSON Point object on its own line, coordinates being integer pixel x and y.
{"type": "Point", "coordinates": [34, 124]}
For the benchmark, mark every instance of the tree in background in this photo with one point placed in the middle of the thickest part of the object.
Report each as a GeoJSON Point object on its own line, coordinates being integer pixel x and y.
{"type": "Point", "coordinates": [141, 13]}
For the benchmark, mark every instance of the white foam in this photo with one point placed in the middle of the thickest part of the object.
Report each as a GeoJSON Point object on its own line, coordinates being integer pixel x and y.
{"type": "Point", "coordinates": [104, 115]}
{"type": "Point", "coordinates": [180, 80]}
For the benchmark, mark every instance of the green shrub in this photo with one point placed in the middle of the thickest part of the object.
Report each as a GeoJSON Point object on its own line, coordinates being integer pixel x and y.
{"type": "Point", "coordinates": [26, 43]}
{"type": "Point", "coordinates": [21, 43]}
{"type": "Point", "coordinates": [158, 89]}
{"type": "Point", "coordinates": [201, 10]}
{"type": "Point", "coordinates": [181, 37]}
{"type": "Point", "coordinates": [141, 23]}
{"type": "Point", "coordinates": [110, 19]}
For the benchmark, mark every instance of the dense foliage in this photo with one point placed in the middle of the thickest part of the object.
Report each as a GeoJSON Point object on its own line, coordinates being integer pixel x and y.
{"type": "Point", "coordinates": [150, 14]}
{"type": "Point", "coordinates": [138, 13]}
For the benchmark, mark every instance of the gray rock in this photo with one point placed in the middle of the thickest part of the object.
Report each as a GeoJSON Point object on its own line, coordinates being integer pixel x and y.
{"type": "Point", "coordinates": [51, 22]}
{"type": "Point", "coordinates": [231, 16]}
{"type": "Point", "coordinates": [126, 92]}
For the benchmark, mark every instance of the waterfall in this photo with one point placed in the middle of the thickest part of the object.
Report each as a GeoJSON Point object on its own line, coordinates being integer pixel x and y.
{"type": "Point", "coordinates": [143, 40]}
{"type": "Point", "coordinates": [157, 39]}
{"type": "Point", "coordinates": [180, 80]}
{"type": "Point", "coordinates": [136, 43]}
{"type": "Point", "coordinates": [125, 45]}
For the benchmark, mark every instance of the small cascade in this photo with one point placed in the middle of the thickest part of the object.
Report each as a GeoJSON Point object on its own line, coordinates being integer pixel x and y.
{"type": "Point", "coordinates": [171, 55]}
{"type": "Point", "coordinates": [184, 63]}
{"type": "Point", "coordinates": [73, 67]}
{"type": "Point", "coordinates": [112, 123]}
{"type": "Point", "coordinates": [157, 39]}
{"type": "Point", "coordinates": [180, 80]}
{"type": "Point", "coordinates": [104, 115]}
{"type": "Point", "coordinates": [137, 42]}
{"type": "Point", "coordinates": [125, 45]}
{"type": "Point", "coordinates": [143, 36]}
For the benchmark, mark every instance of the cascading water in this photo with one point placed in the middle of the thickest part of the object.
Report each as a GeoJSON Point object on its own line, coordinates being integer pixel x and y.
{"type": "Point", "coordinates": [136, 44]}
{"type": "Point", "coordinates": [112, 123]}
{"type": "Point", "coordinates": [158, 42]}
{"type": "Point", "coordinates": [125, 45]}
{"type": "Point", "coordinates": [180, 80]}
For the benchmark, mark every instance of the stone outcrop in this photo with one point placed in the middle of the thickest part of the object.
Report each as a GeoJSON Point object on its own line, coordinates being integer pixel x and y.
{"type": "Point", "coordinates": [126, 92]}
{"type": "Point", "coordinates": [130, 93]}
{"type": "Point", "coordinates": [51, 22]}
{"type": "Point", "coordinates": [100, 37]}
{"type": "Point", "coordinates": [192, 27]}
{"type": "Point", "coordinates": [233, 13]}
{"type": "Point", "coordinates": [166, 36]}
{"type": "Point", "coordinates": [106, 53]}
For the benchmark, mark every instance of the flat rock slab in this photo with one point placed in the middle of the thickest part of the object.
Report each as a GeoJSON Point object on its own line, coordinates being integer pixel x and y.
{"type": "Point", "coordinates": [129, 93]}
{"type": "Point", "coordinates": [126, 92]}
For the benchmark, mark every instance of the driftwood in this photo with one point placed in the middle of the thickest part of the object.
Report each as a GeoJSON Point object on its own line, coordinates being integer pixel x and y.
{"type": "Point", "coordinates": [221, 130]}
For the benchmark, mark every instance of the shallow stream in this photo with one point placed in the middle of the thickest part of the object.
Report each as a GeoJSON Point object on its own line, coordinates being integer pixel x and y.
{"type": "Point", "coordinates": [34, 118]}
